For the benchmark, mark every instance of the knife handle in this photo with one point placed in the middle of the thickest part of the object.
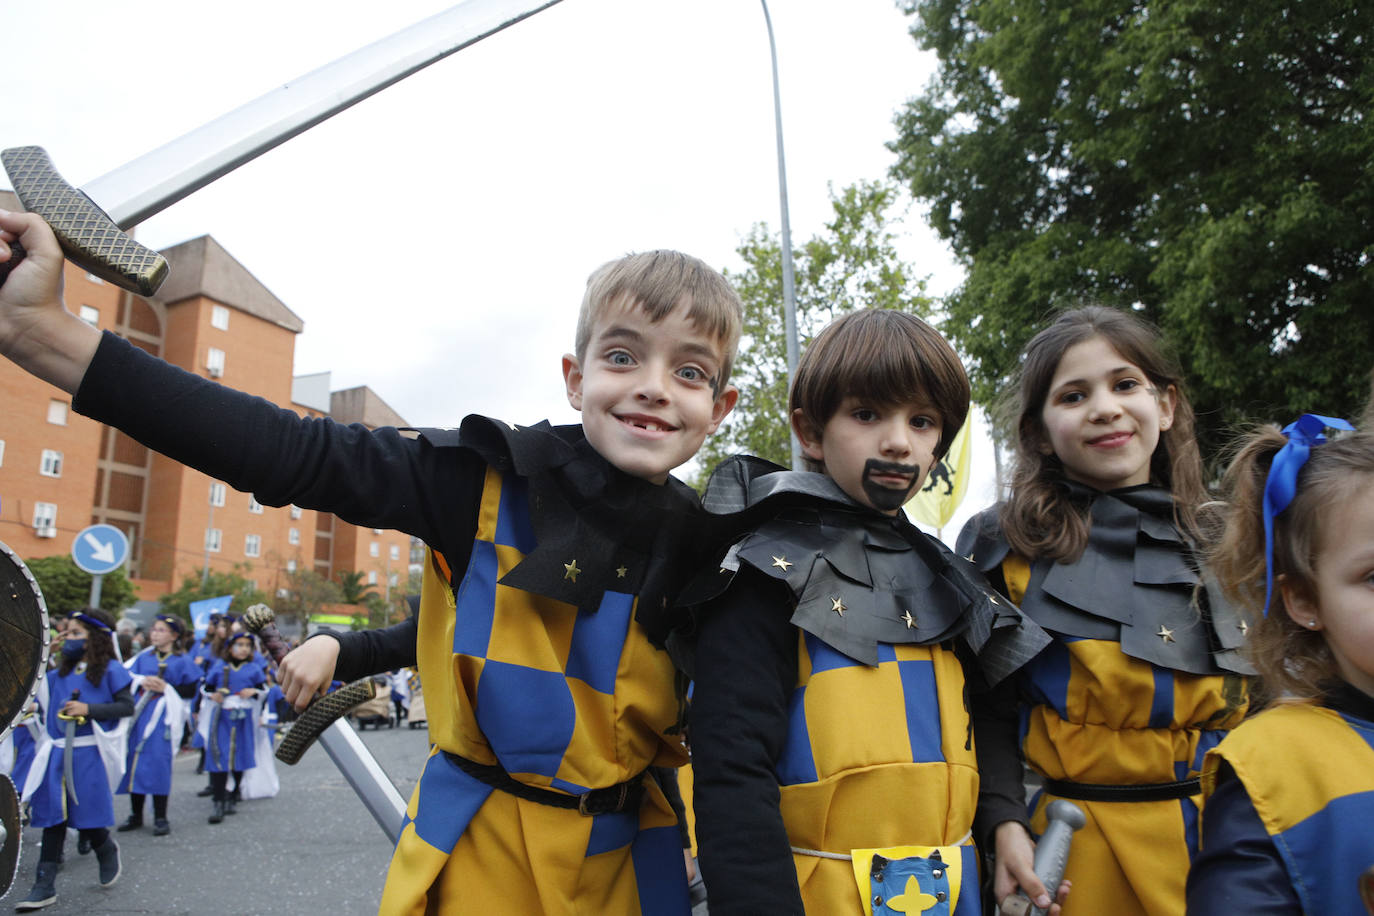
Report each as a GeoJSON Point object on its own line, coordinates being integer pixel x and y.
{"type": "Point", "coordinates": [88, 236]}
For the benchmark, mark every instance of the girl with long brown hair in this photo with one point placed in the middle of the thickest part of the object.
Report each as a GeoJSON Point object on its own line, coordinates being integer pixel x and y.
{"type": "Point", "coordinates": [1098, 543]}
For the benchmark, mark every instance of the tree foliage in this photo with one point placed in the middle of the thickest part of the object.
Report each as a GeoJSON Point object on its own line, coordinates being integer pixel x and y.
{"type": "Point", "coordinates": [852, 264]}
{"type": "Point", "coordinates": [234, 582]}
{"type": "Point", "coordinates": [307, 593]}
{"type": "Point", "coordinates": [354, 587]}
{"type": "Point", "coordinates": [67, 588]}
{"type": "Point", "coordinates": [1206, 164]}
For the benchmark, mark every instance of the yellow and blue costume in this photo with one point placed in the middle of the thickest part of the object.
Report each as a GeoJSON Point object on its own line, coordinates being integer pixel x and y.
{"type": "Point", "coordinates": [833, 745]}
{"type": "Point", "coordinates": [1143, 678]}
{"type": "Point", "coordinates": [1290, 800]}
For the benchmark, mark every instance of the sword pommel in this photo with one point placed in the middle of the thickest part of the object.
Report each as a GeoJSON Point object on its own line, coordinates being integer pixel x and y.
{"type": "Point", "coordinates": [89, 237]}
{"type": "Point", "coordinates": [260, 619]}
{"type": "Point", "coordinates": [1051, 855]}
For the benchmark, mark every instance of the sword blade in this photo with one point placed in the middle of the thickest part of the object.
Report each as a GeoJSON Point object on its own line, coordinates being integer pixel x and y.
{"type": "Point", "coordinates": [156, 180]}
{"type": "Point", "coordinates": [376, 790]}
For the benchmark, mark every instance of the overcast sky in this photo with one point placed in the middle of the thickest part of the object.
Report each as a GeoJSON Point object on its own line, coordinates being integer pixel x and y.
{"type": "Point", "coordinates": [436, 238]}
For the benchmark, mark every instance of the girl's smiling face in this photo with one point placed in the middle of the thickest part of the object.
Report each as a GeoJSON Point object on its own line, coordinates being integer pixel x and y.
{"type": "Point", "coordinates": [1103, 416]}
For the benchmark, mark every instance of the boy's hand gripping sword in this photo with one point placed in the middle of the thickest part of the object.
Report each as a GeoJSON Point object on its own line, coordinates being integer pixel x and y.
{"type": "Point", "coordinates": [321, 718]}
{"type": "Point", "coordinates": [1051, 856]}
{"type": "Point", "coordinates": [88, 221]}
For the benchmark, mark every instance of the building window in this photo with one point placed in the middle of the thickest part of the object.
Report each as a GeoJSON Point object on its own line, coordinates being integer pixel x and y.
{"type": "Point", "coordinates": [252, 584]}
{"type": "Point", "coordinates": [393, 579]}
{"type": "Point", "coordinates": [295, 512]}
{"type": "Point", "coordinates": [45, 519]}
{"type": "Point", "coordinates": [254, 506]}
{"type": "Point", "coordinates": [290, 566]}
{"type": "Point", "coordinates": [219, 317]}
{"type": "Point", "coordinates": [2, 453]}
{"type": "Point", "coordinates": [372, 577]}
{"type": "Point", "coordinates": [91, 315]}
{"type": "Point", "coordinates": [395, 552]}
{"type": "Point", "coordinates": [216, 494]}
{"type": "Point", "coordinates": [375, 549]}
{"type": "Point", "coordinates": [94, 279]}
{"type": "Point", "coordinates": [51, 464]}
{"type": "Point", "coordinates": [214, 362]}
{"type": "Point", "coordinates": [57, 412]}
{"type": "Point", "coordinates": [252, 545]}
{"type": "Point", "coordinates": [293, 535]}
{"type": "Point", "coordinates": [376, 531]}
{"type": "Point", "coordinates": [213, 539]}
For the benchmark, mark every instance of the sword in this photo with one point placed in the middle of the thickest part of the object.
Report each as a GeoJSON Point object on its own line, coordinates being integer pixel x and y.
{"type": "Point", "coordinates": [88, 221]}
{"type": "Point", "coordinates": [138, 708]}
{"type": "Point", "coordinates": [366, 776]}
{"type": "Point", "coordinates": [1051, 856]}
{"type": "Point", "coordinates": [70, 736]}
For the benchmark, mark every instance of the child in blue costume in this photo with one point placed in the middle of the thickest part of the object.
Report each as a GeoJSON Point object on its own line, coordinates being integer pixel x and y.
{"type": "Point", "coordinates": [1098, 544]}
{"type": "Point", "coordinates": [551, 555]}
{"type": "Point", "coordinates": [230, 705]}
{"type": "Point", "coordinates": [1290, 792]}
{"type": "Point", "coordinates": [839, 648]}
{"type": "Point", "coordinates": [69, 785]}
{"type": "Point", "coordinates": [165, 680]}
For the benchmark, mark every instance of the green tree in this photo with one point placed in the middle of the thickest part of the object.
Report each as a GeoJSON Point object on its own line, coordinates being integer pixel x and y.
{"type": "Point", "coordinates": [67, 588]}
{"type": "Point", "coordinates": [308, 593]}
{"type": "Point", "coordinates": [1206, 164]}
{"type": "Point", "coordinates": [234, 582]}
{"type": "Point", "coordinates": [354, 587]}
{"type": "Point", "coordinates": [852, 264]}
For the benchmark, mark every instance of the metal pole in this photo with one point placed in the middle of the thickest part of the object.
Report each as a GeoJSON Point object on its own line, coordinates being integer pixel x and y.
{"type": "Point", "coordinates": [789, 292]}
{"type": "Point", "coordinates": [209, 524]}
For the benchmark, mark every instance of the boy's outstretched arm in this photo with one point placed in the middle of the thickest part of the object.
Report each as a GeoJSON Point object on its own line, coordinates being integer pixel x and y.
{"type": "Point", "coordinates": [37, 332]}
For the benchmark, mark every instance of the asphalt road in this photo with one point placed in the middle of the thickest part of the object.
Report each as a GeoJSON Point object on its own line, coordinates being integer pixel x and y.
{"type": "Point", "coordinates": [311, 849]}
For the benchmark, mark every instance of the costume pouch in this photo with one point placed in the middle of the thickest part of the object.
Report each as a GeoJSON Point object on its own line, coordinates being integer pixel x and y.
{"type": "Point", "coordinates": [909, 879]}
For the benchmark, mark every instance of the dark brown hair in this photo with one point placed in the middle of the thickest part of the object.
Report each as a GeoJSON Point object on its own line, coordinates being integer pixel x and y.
{"type": "Point", "coordinates": [1038, 518]}
{"type": "Point", "coordinates": [883, 356]}
{"type": "Point", "coordinates": [99, 647]}
{"type": "Point", "coordinates": [1291, 659]}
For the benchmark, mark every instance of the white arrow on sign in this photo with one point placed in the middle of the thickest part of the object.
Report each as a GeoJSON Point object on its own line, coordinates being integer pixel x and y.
{"type": "Point", "coordinates": [104, 550]}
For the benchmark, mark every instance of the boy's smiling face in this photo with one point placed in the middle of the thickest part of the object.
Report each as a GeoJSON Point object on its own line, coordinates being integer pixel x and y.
{"type": "Point", "coordinates": [879, 454]}
{"type": "Point", "coordinates": [649, 392]}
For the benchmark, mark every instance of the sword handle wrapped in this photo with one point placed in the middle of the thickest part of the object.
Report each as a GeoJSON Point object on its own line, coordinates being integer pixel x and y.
{"type": "Point", "coordinates": [260, 619]}
{"type": "Point", "coordinates": [1051, 855]}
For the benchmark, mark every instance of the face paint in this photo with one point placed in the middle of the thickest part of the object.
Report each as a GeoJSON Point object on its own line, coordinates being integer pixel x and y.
{"type": "Point", "coordinates": [888, 498]}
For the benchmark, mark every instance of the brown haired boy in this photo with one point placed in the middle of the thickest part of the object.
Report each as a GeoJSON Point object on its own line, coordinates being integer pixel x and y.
{"type": "Point", "coordinates": [831, 739]}
{"type": "Point", "coordinates": [551, 553]}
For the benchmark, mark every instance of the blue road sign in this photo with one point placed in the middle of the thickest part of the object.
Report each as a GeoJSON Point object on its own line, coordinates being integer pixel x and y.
{"type": "Point", "coordinates": [100, 549]}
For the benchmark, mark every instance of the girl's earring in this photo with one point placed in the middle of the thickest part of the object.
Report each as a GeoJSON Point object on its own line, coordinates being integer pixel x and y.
{"type": "Point", "coordinates": [1312, 623]}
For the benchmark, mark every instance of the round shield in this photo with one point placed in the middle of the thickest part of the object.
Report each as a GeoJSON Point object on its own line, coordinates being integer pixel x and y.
{"type": "Point", "coordinates": [14, 834]}
{"type": "Point", "coordinates": [23, 636]}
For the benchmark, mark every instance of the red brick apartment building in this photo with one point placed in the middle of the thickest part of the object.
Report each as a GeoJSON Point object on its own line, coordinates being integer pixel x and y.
{"type": "Point", "coordinates": [60, 472]}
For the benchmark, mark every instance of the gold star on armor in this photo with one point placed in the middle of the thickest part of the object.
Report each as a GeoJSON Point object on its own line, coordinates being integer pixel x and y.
{"type": "Point", "coordinates": [1244, 628]}
{"type": "Point", "coordinates": [620, 573]}
{"type": "Point", "coordinates": [910, 621]}
{"type": "Point", "coordinates": [782, 563]}
{"type": "Point", "coordinates": [837, 605]}
{"type": "Point", "coordinates": [570, 570]}
{"type": "Point", "coordinates": [1165, 633]}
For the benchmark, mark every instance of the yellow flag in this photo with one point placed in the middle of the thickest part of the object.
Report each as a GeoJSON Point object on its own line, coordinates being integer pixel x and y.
{"type": "Point", "coordinates": [934, 504]}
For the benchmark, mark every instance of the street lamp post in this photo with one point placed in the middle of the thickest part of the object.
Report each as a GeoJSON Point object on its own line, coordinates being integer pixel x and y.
{"type": "Point", "coordinates": [789, 292]}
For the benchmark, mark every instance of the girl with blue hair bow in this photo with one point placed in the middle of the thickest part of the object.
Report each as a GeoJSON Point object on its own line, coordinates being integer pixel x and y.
{"type": "Point", "coordinates": [1290, 792]}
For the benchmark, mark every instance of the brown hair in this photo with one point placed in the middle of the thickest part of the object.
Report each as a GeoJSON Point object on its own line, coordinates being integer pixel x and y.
{"type": "Point", "coordinates": [99, 647]}
{"type": "Point", "coordinates": [884, 356]}
{"type": "Point", "coordinates": [658, 282]}
{"type": "Point", "coordinates": [1039, 518]}
{"type": "Point", "coordinates": [1291, 659]}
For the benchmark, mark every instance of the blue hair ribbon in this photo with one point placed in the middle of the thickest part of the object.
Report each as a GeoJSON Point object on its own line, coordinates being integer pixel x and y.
{"type": "Point", "coordinates": [1282, 484]}
{"type": "Point", "coordinates": [90, 621]}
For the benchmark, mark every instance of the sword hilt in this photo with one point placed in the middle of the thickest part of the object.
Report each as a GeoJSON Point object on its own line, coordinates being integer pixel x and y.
{"type": "Point", "coordinates": [260, 619]}
{"type": "Point", "coordinates": [321, 714]}
{"type": "Point", "coordinates": [1051, 855]}
{"type": "Point", "coordinates": [88, 236]}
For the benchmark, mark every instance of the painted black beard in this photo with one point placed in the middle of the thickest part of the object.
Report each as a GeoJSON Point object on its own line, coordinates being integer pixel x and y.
{"type": "Point", "coordinates": [887, 499]}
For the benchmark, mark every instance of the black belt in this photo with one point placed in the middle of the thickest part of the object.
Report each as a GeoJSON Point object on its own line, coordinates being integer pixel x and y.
{"type": "Point", "coordinates": [624, 796]}
{"type": "Point", "coordinates": [1143, 792]}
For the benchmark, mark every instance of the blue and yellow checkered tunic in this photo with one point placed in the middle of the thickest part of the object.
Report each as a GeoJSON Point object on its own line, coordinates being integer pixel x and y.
{"type": "Point", "coordinates": [1309, 772]}
{"type": "Point", "coordinates": [1096, 715]}
{"type": "Point", "coordinates": [559, 698]}
{"type": "Point", "coordinates": [894, 741]}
